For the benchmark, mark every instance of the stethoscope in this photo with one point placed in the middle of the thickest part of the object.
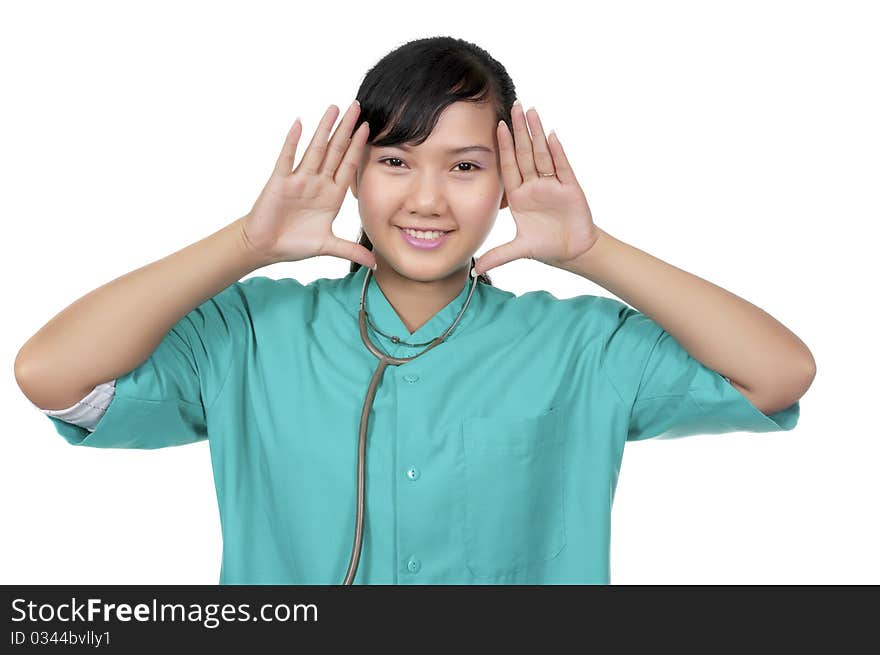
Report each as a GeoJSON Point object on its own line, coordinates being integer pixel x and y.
{"type": "Point", "coordinates": [384, 361]}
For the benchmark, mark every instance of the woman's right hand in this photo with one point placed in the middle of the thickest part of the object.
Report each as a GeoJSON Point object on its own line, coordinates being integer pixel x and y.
{"type": "Point", "coordinates": [292, 218]}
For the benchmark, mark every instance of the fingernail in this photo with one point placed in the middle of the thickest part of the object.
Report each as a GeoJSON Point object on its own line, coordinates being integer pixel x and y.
{"type": "Point", "coordinates": [375, 266]}
{"type": "Point", "coordinates": [355, 103]}
{"type": "Point", "coordinates": [516, 102]}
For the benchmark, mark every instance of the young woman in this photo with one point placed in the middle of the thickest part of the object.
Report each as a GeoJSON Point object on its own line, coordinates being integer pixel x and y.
{"type": "Point", "coordinates": [411, 423]}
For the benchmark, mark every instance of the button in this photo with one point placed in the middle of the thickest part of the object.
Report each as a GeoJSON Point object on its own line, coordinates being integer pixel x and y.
{"type": "Point", "coordinates": [411, 378]}
{"type": "Point", "coordinates": [413, 473]}
{"type": "Point", "coordinates": [413, 565]}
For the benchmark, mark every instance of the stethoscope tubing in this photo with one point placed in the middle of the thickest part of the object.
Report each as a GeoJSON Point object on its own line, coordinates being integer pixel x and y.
{"type": "Point", "coordinates": [385, 361]}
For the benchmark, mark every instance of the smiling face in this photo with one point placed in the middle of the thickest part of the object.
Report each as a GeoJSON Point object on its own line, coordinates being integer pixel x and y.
{"type": "Point", "coordinates": [432, 187]}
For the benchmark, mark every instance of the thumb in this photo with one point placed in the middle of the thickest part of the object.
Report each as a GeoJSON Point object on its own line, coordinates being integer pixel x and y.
{"type": "Point", "coordinates": [506, 252]}
{"type": "Point", "coordinates": [351, 251]}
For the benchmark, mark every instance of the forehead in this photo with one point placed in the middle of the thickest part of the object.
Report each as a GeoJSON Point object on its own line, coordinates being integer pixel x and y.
{"type": "Point", "coordinates": [460, 124]}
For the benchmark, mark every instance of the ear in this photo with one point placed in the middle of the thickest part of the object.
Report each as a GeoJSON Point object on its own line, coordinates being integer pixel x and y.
{"type": "Point", "coordinates": [357, 171]}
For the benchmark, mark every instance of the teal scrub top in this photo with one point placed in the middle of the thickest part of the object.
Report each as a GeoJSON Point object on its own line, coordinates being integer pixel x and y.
{"type": "Point", "coordinates": [491, 459]}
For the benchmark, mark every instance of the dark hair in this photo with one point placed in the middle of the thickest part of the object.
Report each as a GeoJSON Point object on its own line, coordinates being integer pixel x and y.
{"type": "Point", "coordinates": [410, 87]}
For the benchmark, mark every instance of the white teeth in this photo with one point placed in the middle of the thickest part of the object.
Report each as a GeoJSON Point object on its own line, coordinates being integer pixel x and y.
{"type": "Point", "coordinates": [429, 236]}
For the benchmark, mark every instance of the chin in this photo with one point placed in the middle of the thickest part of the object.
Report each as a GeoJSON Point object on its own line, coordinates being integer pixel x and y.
{"type": "Point", "coordinates": [422, 271]}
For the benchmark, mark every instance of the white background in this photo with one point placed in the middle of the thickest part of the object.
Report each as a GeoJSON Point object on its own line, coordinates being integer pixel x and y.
{"type": "Point", "coordinates": [737, 141]}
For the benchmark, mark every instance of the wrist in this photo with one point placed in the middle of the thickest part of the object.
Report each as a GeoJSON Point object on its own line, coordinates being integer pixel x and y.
{"type": "Point", "coordinates": [251, 254]}
{"type": "Point", "coordinates": [589, 260]}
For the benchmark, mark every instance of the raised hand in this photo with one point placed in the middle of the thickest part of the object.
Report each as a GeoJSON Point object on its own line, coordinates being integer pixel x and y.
{"type": "Point", "coordinates": [291, 220]}
{"type": "Point", "coordinates": [553, 220]}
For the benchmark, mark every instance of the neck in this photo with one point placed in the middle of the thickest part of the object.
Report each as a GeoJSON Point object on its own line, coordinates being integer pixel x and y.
{"type": "Point", "coordinates": [415, 301]}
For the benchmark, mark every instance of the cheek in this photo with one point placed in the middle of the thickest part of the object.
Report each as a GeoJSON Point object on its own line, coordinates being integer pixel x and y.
{"type": "Point", "coordinates": [483, 208]}
{"type": "Point", "coordinates": [489, 200]}
{"type": "Point", "coordinates": [476, 227]}
{"type": "Point", "coordinates": [369, 195]}
{"type": "Point", "coordinates": [374, 207]}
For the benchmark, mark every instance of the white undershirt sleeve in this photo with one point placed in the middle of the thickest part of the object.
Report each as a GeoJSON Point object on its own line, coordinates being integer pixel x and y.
{"type": "Point", "coordinates": [87, 412]}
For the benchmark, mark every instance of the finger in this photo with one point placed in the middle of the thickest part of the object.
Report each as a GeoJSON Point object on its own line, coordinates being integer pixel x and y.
{"type": "Point", "coordinates": [353, 252]}
{"type": "Point", "coordinates": [506, 252]}
{"type": "Point", "coordinates": [340, 140]}
{"type": "Point", "coordinates": [509, 170]}
{"type": "Point", "coordinates": [564, 172]}
{"type": "Point", "coordinates": [522, 143]}
{"type": "Point", "coordinates": [543, 159]}
{"type": "Point", "coordinates": [318, 145]}
{"type": "Point", "coordinates": [288, 152]}
{"type": "Point", "coordinates": [348, 167]}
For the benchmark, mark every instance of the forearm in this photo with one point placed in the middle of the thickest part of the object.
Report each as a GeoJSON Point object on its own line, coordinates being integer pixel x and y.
{"type": "Point", "coordinates": [116, 327]}
{"type": "Point", "coordinates": [721, 330]}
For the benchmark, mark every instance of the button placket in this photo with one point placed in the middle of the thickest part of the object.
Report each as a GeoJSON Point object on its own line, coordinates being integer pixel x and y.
{"type": "Point", "coordinates": [408, 375]}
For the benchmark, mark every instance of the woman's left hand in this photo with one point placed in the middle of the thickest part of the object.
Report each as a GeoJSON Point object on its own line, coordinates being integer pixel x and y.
{"type": "Point", "coordinates": [553, 220]}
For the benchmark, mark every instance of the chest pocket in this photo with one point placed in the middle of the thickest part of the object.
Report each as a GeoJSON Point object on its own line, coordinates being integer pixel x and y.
{"type": "Point", "coordinates": [513, 492]}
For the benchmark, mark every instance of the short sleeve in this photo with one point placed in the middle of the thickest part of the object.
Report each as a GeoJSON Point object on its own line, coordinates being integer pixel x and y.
{"type": "Point", "coordinates": [670, 394]}
{"type": "Point", "coordinates": [163, 401]}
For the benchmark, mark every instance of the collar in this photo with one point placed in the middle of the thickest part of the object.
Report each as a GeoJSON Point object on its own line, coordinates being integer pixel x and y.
{"type": "Point", "coordinates": [383, 315]}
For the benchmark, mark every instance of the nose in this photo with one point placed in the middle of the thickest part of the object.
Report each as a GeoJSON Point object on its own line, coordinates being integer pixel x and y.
{"type": "Point", "coordinates": [425, 196]}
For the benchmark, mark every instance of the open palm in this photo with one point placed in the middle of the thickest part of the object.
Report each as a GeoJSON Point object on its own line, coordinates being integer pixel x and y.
{"type": "Point", "coordinates": [553, 220]}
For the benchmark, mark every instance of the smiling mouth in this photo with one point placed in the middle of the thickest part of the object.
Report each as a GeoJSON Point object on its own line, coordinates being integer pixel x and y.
{"type": "Point", "coordinates": [415, 229]}
{"type": "Point", "coordinates": [412, 232]}
{"type": "Point", "coordinates": [421, 242]}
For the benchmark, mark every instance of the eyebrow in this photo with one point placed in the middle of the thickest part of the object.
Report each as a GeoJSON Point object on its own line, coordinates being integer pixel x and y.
{"type": "Point", "coordinates": [451, 151]}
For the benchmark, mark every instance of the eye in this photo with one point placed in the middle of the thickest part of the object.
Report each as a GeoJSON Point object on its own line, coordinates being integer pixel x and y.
{"type": "Point", "coordinates": [463, 163]}
{"type": "Point", "coordinates": [390, 159]}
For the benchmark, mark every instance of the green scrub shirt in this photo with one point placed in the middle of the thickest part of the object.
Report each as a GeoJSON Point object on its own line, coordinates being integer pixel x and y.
{"type": "Point", "coordinates": [491, 459]}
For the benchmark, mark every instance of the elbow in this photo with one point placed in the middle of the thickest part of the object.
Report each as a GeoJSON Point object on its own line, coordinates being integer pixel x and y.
{"type": "Point", "coordinates": [789, 392]}
{"type": "Point", "coordinates": [811, 368]}
{"type": "Point", "coordinates": [785, 390]}
{"type": "Point", "coordinates": [44, 391]}
{"type": "Point", "coordinates": [799, 374]}
{"type": "Point", "coordinates": [21, 369]}
{"type": "Point", "coordinates": [24, 376]}
{"type": "Point", "coordinates": [809, 373]}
